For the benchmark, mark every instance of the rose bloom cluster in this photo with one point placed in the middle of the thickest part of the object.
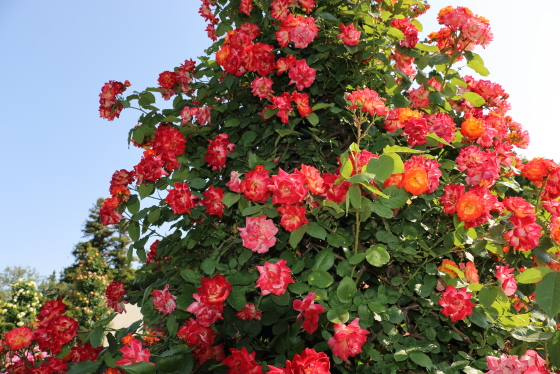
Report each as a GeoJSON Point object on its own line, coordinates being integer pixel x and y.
{"type": "Point", "coordinates": [108, 106]}
{"type": "Point", "coordinates": [529, 363]}
{"type": "Point", "coordinates": [239, 54]}
{"type": "Point", "coordinates": [208, 307]}
{"type": "Point", "coordinates": [114, 294]}
{"type": "Point", "coordinates": [206, 12]}
{"type": "Point", "coordinates": [463, 30]}
{"type": "Point", "coordinates": [34, 350]}
{"type": "Point", "coordinates": [132, 353]}
{"type": "Point", "coordinates": [164, 301]}
{"type": "Point", "coordinates": [171, 81]}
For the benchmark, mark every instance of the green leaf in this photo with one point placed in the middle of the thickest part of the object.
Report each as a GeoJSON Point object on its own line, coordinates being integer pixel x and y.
{"type": "Point", "coordinates": [322, 105]}
{"type": "Point", "coordinates": [197, 183]}
{"type": "Point", "coordinates": [298, 288]}
{"type": "Point", "coordinates": [313, 119]}
{"type": "Point", "coordinates": [208, 266]}
{"type": "Point", "coordinates": [269, 113]}
{"type": "Point", "coordinates": [514, 320]}
{"type": "Point", "coordinates": [357, 258]}
{"type": "Point", "coordinates": [328, 16]}
{"type": "Point", "coordinates": [487, 296]}
{"type": "Point", "coordinates": [133, 204]}
{"type": "Point", "coordinates": [138, 135]}
{"type": "Point", "coordinates": [427, 48]}
{"type": "Point", "coordinates": [154, 215]}
{"type": "Point", "coordinates": [377, 255]}
{"type": "Point", "coordinates": [523, 335]}
{"type": "Point", "coordinates": [232, 122]}
{"type": "Point", "coordinates": [437, 138]}
{"type": "Point", "coordinates": [333, 205]}
{"type": "Point", "coordinates": [397, 197]}
{"type": "Point", "coordinates": [324, 260]}
{"type": "Point", "coordinates": [175, 363]}
{"type": "Point", "coordinates": [421, 359]}
{"type": "Point", "coordinates": [338, 315]}
{"type": "Point", "coordinates": [438, 59]}
{"type": "Point", "coordinates": [285, 132]}
{"type": "Point", "coordinates": [381, 210]}
{"type": "Point", "coordinates": [134, 230]}
{"type": "Point", "coordinates": [96, 337]}
{"type": "Point", "coordinates": [382, 167]}
{"type": "Point", "coordinates": [478, 67]}
{"type": "Point", "coordinates": [346, 168]}
{"type": "Point", "coordinates": [146, 190]}
{"type": "Point", "coordinates": [355, 196]}
{"type": "Point", "coordinates": [190, 276]}
{"type": "Point", "coordinates": [84, 367]}
{"type": "Point", "coordinates": [172, 324]}
{"type": "Point", "coordinates": [320, 279]}
{"type": "Point", "coordinates": [230, 198]}
{"type": "Point", "coordinates": [396, 33]}
{"type": "Point", "coordinates": [361, 178]}
{"type": "Point", "coordinates": [249, 137]}
{"type": "Point", "coordinates": [317, 231]}
{"type": "Point", "coordinates": [249, 211]}
{"type": "Point", "coordinates": [547, 294]}
{"type": "Point", "coordinates": [474, 98]}
{"type": "Point", "coordinates": [346, 290]}
{"type": "Point", "coordinates": [399, 149]}
{"type": "Point", "coordinates": [398, 165]}
{"type": "Point", "coordinates": [554, 349]}
{"type": "Point", "coordinates": [297, 235]}
{"type": "Point", "coordinates": [141, 368]}
{"type": "Point", "coordinates": [223, 27]}
{"type": "Point", "coordinates": [479, 318]}
{"type": "Point", "coordinates": [237, 298]}
{"type": "Point", "coordinates": [533, 275]}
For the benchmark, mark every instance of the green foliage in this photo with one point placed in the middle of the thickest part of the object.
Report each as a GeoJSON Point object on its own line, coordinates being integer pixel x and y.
{"type": "Point", "coordinates": [86, 299]}
{"type": "Point", "coordinates": [111, 242]}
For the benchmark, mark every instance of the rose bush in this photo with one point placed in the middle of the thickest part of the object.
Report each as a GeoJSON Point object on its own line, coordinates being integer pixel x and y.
{"type": "Point", "coordinates": [339, 198]}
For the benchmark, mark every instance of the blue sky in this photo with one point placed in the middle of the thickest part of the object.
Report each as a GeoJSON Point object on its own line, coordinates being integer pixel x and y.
{"type": "Point", "coordinates": [59, 155]}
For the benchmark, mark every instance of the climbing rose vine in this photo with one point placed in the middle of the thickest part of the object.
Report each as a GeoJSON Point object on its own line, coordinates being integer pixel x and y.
{"type": "Point", "coordinates": [328, 192]}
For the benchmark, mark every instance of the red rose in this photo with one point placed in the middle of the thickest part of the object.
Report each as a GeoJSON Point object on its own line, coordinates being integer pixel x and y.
{"type": "Point", "coordinates": [255, 185]}
{"type": "Point", "coordinates": [19, 338]}
{"type": "Point", "coordinates": [241, 362]}
{"type": "Point", "coordinates": [181, 199]}
{"type": "Point", "coordinates": [348, 340]}
{"type": "Point", "coordinates": [456, 303]}
{"type": "Point", "coordinates": [274, 278]}
{"type": "Point", "coordinates": [214, 291]}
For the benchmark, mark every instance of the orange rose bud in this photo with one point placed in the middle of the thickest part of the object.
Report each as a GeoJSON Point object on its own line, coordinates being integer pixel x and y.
{"type": "Point", "coordinates": [415, 181]}
{"type": "Point", "coordinates": [472, 128]}
{"type": "Point", "coordinates": [445, 267]}
{"type": "Point", "coordinates": [469, 207]}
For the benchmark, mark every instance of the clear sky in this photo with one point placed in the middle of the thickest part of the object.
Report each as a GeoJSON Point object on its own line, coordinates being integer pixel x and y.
{"type": "Point", "coordinates": [59, 155]}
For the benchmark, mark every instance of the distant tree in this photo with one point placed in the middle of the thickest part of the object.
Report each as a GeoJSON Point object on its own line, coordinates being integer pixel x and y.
{"type": "Point", "coordinates": [110, 241]}
{"type": "Point", "coordinates": [86, 298]}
